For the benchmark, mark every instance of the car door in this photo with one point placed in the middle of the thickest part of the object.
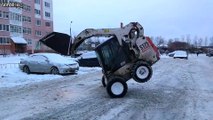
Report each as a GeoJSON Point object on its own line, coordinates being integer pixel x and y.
{"type": "Point", "coordinates": [42, 64]}
{"type": "Point", "coordinates": [32, 63]}
{"type": "Point", "coordinates": [45, 64]}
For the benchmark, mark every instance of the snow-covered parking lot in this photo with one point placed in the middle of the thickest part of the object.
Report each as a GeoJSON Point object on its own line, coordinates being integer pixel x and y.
{"type": "Point", "coordinates": [179, 89]}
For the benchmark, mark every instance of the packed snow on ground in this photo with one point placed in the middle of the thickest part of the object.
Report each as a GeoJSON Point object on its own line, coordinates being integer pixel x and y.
{"type": "Point", "coordinates": [11, 75]}
{"type": "Point", "coordinates": [179, 89]}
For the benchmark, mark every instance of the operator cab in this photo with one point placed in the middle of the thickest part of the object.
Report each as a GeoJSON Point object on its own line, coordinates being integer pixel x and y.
{"type": "Point", "coordinates": [112, 56]}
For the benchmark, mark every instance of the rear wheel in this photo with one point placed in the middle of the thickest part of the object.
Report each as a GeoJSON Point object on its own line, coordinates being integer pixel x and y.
{"type": "Point", "coordinates": [141, 72]}
{"type": "Point", "coordinates": [116, 87]}
{"type": "Point", "coordinates": [54, 71]}
{"type": "Point", "coordinates": [26, 69]}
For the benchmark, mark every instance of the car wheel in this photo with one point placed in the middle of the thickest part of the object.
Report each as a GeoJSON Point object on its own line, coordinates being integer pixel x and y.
{"type": "Point", "coordinates": [141, 72]}
{"type": "Point", "coordinates": [26, 69]}
{"type": "Point", "coordinates": [116, 87]}
{"type": "Point", "coordinates": [54, 71]}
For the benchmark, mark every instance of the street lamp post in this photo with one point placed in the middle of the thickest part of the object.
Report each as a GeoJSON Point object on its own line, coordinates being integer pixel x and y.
{"type": "Point", "coordinates": [70, 42]}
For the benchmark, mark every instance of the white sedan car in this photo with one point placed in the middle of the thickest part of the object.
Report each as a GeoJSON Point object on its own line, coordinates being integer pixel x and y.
{"type": "Point", "coordinates": [180, 54]}
{"type": "Point", "coordinates": [48, 63]}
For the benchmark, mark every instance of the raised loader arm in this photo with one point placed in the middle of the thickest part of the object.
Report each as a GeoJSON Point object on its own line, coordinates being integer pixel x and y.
{"type": "Point", "coordinates": [128, 32]}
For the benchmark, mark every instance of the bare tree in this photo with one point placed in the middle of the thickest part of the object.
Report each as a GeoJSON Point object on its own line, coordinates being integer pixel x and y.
{"type": "Point", "coordinates": [200, 41]}
{"type": "Point", "coordinates": [183, 38]}
{"type": "Point", "coordinates": [206, 41]}
{"type": "Point", "coordinates": [160, 41]}
{"type": "Point", "coordinates": [211, 41]}
{"type": "Point", "coordinates": [188, 39]}
{"type": "Point", "coordinates": [177, 39]}
{"type": "Point", "coordinates": [170, 42]}
{"type": "Point", "coordinates": [196, 41]}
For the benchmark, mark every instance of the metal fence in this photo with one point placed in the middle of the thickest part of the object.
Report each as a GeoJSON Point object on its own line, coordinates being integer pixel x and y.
{"type": "Point", "coordinates": [9, 65]}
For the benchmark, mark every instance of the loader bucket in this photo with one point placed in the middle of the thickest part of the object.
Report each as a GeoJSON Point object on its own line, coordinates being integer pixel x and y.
{"type": "Point", "coordinates": [57, 41]}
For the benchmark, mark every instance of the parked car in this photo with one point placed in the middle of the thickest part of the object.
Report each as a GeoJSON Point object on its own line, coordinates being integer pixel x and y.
{"type": "Point", "coordinates": [180, 54]}
{"type": "Point", "coordinates": [171, 54]}
{"type": "Point", "coordinates": [48, 63]}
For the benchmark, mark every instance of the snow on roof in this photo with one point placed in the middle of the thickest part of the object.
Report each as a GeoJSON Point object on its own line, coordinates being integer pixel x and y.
{"type": "Point", "coordinates": [19, 40]}
{"type": "Point", "coordinates": [57, 58]}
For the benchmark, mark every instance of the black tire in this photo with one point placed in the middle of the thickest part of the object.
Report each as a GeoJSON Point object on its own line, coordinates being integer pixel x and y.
{"type": "Point", "coordinates": [141, 68]}
{"type": "Point", "coordinates": [54, 71]}
{"type": "Point", "coordinates": [26, 69]}
{"type": "Point", "coordinates": [115, 82]}
{"type": "Point", "coordinates": [104, 82]}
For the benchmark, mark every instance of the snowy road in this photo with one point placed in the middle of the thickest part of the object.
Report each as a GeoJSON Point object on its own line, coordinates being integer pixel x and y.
{"type": "Point", "coordinates": [179, 89]}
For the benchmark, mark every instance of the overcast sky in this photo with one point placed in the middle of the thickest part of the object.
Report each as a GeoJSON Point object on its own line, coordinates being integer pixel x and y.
{"type": "Point", "coordinates": [166, 18]}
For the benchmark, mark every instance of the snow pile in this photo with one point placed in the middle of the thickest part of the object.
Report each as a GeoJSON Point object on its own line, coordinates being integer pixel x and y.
{"type": "Point", "coordinates": [11, 58]}
{"type": "Point", "coordinates": [85, 70]}
{"type": "Point", "coordinates": [13, 76]}
{"type": "Point", "coordinates": [88, 55]}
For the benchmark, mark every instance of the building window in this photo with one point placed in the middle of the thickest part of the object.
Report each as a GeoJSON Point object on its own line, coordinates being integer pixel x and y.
{"type": "Point", "coordinates": [1, 14]}
{"type": "Point", "coordinates": [38, 22]}
{"type": "Point", "coordinates": [4, 41]}
{"type": "Point", "coordinates": [3, 1]}
{"type": "Point", "coordinates": [37, 1]}
{"type": "Point", "coordinates": [4, 27]}
{"type": "Point", "coordinates": [47, 14]}
{"type": "Point", "coordinates": [29, 41]}
{"type": "Point", "coordinates": [5, 15]}
{"type": "Point", "coordinates": [38, 33]}
{"type": "Point", "coordinates": [26, 30]}
{"type": "Point", "coordinates": [15, 16]}
{"type": "Point", "coordinates": [15, 29]}
{"type": "Point", "coordinates": [38, 12]}
{"type": "Point", "coordinates": [47, 4]}
{"type": "Point", "coordinates": [47, 24]}
{"type": "Point", "coordinates": [26, 7]}
{"type": "Point", "coordinates": [26, 19]}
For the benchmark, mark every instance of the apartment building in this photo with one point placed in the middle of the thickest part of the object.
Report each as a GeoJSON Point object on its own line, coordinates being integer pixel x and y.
{"type": "Point", "coordinates": [23, 23]}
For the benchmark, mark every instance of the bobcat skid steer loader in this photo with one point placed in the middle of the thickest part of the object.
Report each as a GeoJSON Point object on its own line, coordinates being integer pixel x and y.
{"type": "Point", "coordinates": [126, 54]}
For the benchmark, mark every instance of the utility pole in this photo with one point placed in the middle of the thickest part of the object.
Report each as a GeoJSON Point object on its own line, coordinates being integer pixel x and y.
{"type": "Point", "coordinates": [70, 42]}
